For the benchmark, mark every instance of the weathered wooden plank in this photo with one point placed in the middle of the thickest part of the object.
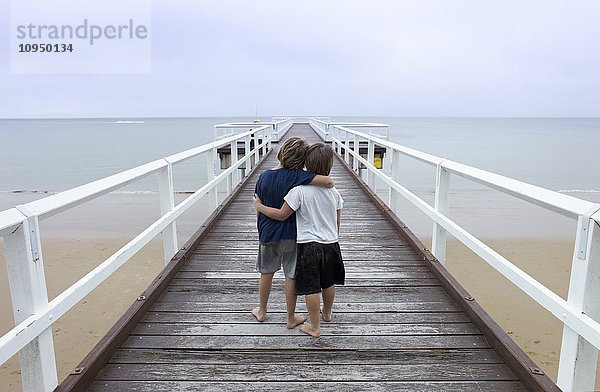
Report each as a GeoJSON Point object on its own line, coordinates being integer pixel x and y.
{"type": "Point", "coordinates": [437, 305]}
{"type": "Point", "coordinates": [350, 205]}
{"type": "Point", "coordinates": [346, 221]}
{"type": "Point", "coordinates": [249, 265]}
{"type": "Point", "coordinates": [245, 202]}
{"type": "Point", "coordinates": [415, 386]}
{"type": "Point", "coordinates": [370, 255]}
{"type": "Point", "coordinates": [250, 268]}
{"type": "Point", "coordinates": [351, 212]}
{"type": "Point", "coordinates": [413, 273]}
{"type": "Point", "coordinates": [368, 258]}
{"type": "Point", "coordinates": [278, 283]}
{"type": "Point", "coordinates": [405, 357]}
{"type": "Point", "coordinates": [346, 246]}
{"type": "Point", "coordinates": [279, 317]}
{"type": "Point", "coordinates": [345, 238]}
{"type": "Point", "coordinates": [380, 237]}
{"type": "Point", "coordinates": [256, 329]}
{"type": "Point", "coordinates": [346, 294]}
{"type": "Point", "coordinates": [303, 342]}
{"type": "Point", "coordinates": [305, 372]}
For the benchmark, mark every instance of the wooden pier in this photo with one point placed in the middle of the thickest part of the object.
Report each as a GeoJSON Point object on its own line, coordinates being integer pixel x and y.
{"type": "Point", "coordinates": [401, 322]}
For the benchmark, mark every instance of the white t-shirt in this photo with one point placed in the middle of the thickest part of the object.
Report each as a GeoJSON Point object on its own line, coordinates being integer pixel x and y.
{"type": "Point", "coordinates": [316, 212]}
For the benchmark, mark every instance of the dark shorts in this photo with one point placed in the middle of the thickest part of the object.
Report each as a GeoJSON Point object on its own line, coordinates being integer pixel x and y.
{"type": "Point", "coordinates": [318, 267]}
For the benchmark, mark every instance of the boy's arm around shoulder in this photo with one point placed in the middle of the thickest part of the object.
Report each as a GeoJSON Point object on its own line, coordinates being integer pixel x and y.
{"type": "Point", "coordinates": [279, 214]}
{"type": "Point", "coordinates": [325, 181]}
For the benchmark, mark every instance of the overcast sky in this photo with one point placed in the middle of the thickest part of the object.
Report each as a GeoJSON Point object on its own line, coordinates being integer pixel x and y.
{"type": "Point", "coordinates": [378, 58]}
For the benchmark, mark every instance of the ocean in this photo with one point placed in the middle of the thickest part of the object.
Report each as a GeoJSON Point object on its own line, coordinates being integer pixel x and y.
{"type": "Point", "coordinates": [51, 155]}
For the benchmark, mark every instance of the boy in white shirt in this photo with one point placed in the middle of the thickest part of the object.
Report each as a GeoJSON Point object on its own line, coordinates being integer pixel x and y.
{"type": "Point", "coordinates": [319, 263]}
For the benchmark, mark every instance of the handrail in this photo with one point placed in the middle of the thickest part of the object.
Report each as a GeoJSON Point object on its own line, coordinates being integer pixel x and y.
{"type": "Point", "coordinates": [579, 313]}
{"type": "Point", "coordinates": [278, 127]}
{"type": "Point", "coordinates": [564, 204]}
{"type": "Point", "coordinates": [19, 226]}
{"type": "Point", "coordinates": [322, 127]}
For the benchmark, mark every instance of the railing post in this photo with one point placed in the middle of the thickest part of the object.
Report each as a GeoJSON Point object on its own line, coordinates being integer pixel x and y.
{"type": "Point", "coordinates": [210, 171]}
{"type": "Point", "coordinates": [235, 178]}
{"type": "Point", "coordinates": [335, 141]}
{"type": "Point", "coordinates": [274, 135]}
{"type": "Point", "coordinates": [347, 149]}
{"type": "Point", "coordinates": [264, 141]}
{"type": "Point", "coordinates": [167, 203]}
{"type": "Point", "coordinates": [371, 160]}
{"type": "Point", "coordinates": [28, 292]}
{"type": "Point", "coordinates": [254, 139]}
{"type": "Point", "coordinates": [355, 163]}
{"type": "Point", "coordinates": [338, 148]}
{"type": "Point", "coordinates": [395, 174]}
{"type": "Point", "coordinates": [442, 203]}
{"type": "Point", "coordinates": [246, 154]}
{"type": "Point", "coordinates": [578, 358]}
{"type": "Point", "coordinates": [229, 182]}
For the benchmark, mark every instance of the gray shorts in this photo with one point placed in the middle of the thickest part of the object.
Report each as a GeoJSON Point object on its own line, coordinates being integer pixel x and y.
{"type": "Point", "coordinates": [271, 257]}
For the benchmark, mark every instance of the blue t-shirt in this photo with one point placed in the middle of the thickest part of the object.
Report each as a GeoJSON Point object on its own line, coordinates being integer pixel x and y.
{"type": "Point", "coordinates": [271, 187]}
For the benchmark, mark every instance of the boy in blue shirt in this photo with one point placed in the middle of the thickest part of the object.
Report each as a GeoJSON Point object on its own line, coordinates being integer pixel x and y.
{"type": "Point", "coordinates": [278, 238]}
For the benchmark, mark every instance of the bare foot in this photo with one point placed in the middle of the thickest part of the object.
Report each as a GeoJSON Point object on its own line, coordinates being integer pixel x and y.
{"type": "Point", "coordinates": [307, 328]}
{"type": "Point", "coordinates": [260, 316]}
{"type": "Point", "coordinates": [298, 319]}
{"type": "Point", "coordinates": [327, 316]}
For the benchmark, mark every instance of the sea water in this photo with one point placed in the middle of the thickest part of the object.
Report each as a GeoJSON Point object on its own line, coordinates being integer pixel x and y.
{"type": "Point", "coordinates": [52, 155]}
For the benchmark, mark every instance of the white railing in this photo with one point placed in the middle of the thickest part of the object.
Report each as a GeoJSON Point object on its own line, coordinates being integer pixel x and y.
{"type": "Point", "coordinates": [278, 127]}
{"type": "Point", "coordinates": [579, 313]}
{"type": "Point", "coordinates": [322, 126]}
{"type": "Point", "coordinates": [20, 229]}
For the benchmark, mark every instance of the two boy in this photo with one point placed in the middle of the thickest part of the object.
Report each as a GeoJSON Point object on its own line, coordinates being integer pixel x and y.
{"type": "Point", "coordinates": [318, 265]}
{"type": "Point", "coordinates": [278, 239]}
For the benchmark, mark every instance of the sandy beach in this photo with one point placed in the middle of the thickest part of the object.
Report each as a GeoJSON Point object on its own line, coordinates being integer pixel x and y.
{"type": "Point", "coordinates": [534, 329]}
{"type": "Point", "coordinates": [77, 241]}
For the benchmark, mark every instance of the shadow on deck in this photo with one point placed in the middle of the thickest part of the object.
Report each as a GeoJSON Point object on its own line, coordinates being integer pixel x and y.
{"type": "Point", "coordinates": [401, 322]}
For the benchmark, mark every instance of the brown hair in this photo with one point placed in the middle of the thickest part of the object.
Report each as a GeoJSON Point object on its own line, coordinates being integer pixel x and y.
{"type": "Point", "coordinates": [319, 159]}
{"type": "Point", "coordinates": [292, 153]}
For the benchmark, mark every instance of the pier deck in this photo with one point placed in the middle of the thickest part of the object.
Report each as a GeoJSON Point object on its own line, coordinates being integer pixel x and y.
{"type": "Point", "coordinates": [400, 323]}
